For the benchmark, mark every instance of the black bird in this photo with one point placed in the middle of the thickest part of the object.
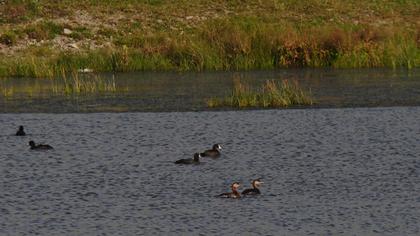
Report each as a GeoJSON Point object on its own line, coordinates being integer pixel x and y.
{"type": "Point", "coordinates": [254, 190]}
{"type": "Point", "coordinates": [20, 132]}
{"type": "Point", "coordinates": [39, 146]}
{"type": "Point", "coordinates": [214, 152]}
{"type": "Point", "coordinates": [234, 193]}
{"type": "Point", "coordinates": [195, 160]}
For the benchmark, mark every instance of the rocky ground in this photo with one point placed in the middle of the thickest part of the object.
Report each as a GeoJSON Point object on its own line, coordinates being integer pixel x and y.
{"type": "Point", "coordinates": [195, 35]}
{"type": "Point", "coordinates": [100, 26]}
{"type": "Point", "coordinates": [89, 25]}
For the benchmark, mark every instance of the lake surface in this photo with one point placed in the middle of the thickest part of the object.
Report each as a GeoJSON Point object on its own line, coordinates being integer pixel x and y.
{"type": "Point", "coordinates": [353, 171]}
{"type": "Point", "coordinates": [160, 92]}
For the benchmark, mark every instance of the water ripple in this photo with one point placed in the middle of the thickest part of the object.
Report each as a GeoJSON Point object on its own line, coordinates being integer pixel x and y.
{"type": "Point", "coordinates": [326, 172]}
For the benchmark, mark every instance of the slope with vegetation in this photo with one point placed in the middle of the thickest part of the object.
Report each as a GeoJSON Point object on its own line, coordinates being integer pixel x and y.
{"type": "Point", "coordinates": [44, 38]}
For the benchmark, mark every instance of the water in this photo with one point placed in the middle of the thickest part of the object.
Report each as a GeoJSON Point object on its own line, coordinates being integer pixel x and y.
{"type": "Point", "coordinates": [160, 92]}
{"type": "Point", "coordinates": [348, 171]}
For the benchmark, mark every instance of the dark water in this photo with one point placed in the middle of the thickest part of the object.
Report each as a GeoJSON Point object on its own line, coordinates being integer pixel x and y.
{"type": "Point", "coordinates": [352, 171]}
{"type": "Point", "coordinates": [189, 91]}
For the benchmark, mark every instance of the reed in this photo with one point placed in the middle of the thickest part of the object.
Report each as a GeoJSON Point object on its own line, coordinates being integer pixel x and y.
{"type": "Point", "coordinates": [271, 94]}
{"type": "Point", "coordinates": [68, 84]}
{"type": "Point", "coordinates": [6, 92]}
{"type": "Point", "coordinates": [76, 83]}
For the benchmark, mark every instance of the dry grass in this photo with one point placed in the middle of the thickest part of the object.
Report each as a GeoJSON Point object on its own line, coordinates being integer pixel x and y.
{"type": "Point", "coordinates": [206, 35]}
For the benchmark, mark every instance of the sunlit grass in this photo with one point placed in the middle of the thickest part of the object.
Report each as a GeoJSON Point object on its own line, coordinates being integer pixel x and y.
{"type": "Point", "coordinates": [139, 35]}
{"type": "Point", "coordinates": [72, 84]}
{"type": "Point", "coordinates": [271, 94]}
{"type": "Point", "coordinates": [77, 83]}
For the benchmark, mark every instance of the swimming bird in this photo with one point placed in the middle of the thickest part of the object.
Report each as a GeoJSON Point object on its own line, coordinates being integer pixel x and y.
{"type": "Point", "coordinates": [214, 152]}
{"type": "Point", "coordinates": [39, 146]}
{"type": "Point", "coordinates": [234, 193]}
{"type": "Point", "coordinates": [20, 132]}
{"type": "Point", "coordinates": [195, 160]}
{"type": "Point", "coordinates": [254, 190]}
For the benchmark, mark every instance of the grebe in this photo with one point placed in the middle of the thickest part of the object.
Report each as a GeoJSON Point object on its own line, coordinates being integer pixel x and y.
{"type": "Point", "coordinates": [254, 190]}
{"type": "Point", "coordinates": [234, 193]}
{"type": "Point", "coordinates": [194, 160]}
{"type": "Point", "coordinates": [214, 152]}
{"type": "Point", "coordinates": [20, 132]}
{"type": "Point", "coordinates": [39, 146]}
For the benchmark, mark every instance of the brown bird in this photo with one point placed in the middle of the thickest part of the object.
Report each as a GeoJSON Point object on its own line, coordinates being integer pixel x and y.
{"type": "Point", "coordinates": [234, 193]}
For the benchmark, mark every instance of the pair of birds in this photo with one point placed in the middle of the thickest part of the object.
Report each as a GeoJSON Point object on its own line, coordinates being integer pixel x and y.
{"type": "Point", "coordinates": [32, 144]}
{"type": "Point", "coordinates": [250, 191]}
{"type": "Point", "coordinates": [214, 153]}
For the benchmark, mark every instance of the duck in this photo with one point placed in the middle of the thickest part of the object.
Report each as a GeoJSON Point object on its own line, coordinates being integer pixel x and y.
{"type": "Point", "coordinates": [254, 190]}
{"type": "Point", "coordinates": [195, 160]}
{"type": "Point", "coordinates": [20, 132]}
{"type": "Point", "coordinates": [234, 194]}
{"type": "Point", "coordinates": [214, 152]}
{"type": "Point", "coordinates": [39, 146]}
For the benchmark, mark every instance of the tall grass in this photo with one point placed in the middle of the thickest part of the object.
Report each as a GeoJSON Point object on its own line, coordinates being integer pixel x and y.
{"type": "Point", "coordinates": [83, 84]}
{"type": "Point", "coordinates": [271, 94]}
{"type": "Point", "coordinates": [69, 84]}
{"type": "Point", "coordinates": [233, 46]}
{"type": "Point", "coordinates": [260, 35]}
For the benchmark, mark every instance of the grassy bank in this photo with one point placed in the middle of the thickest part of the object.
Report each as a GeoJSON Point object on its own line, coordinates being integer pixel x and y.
{"type": "Point", "coordinates": [41, 38]}
{"type": "Point", "coordinates": [271, 94]}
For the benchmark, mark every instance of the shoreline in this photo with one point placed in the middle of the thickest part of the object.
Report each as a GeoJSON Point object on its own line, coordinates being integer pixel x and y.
{"type": "Point", "coordinates": [49, 38]}
{"type": "Point", "coordinates": [154, 92]}
{"type": "Point", "coordinates": [324, 107]}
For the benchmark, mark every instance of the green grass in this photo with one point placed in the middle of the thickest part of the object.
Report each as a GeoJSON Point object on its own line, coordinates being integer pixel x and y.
{"type": "Point", "coordinates": [270, 95]}
{"type": "Point", "coordinates": [138, 35]}
{"type": "Point", "coordinates": [69, 84]}
{"type": "Point", "coordinates": [76, 84]}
